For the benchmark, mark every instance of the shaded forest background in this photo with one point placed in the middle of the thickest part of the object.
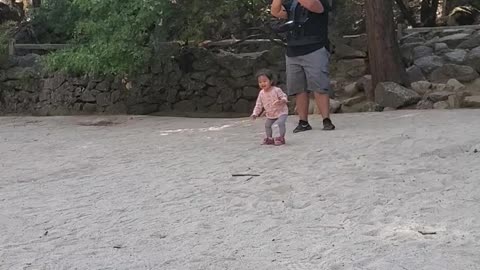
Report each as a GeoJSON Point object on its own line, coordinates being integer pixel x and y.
{"type": "Point", "coordinates": [113, 37]}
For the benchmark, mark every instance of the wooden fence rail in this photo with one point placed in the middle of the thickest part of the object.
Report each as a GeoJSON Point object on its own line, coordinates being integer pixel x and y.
{"type": "Point", "coordinates": [13, 46]}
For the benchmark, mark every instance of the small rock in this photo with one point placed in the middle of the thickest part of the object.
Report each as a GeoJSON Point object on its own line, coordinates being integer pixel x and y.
{"type": "Point", "coordinates": [103, 86]}
{"type": "Point", "coordinates": [185, 106]}
{"type": "Point", "coordinates": [343, 51]}
{"type": "Point", "coordinates": [365, 84]}
{"type": "Point", "coordinates": [354, 100]}
{"type": "Point", "coordinates": [475, 149]}
{"type": "Point", "coordinates": [425, 105]}
{"type": "Point", "coordinates": [473, 59]}
{"type": "Point", "coordinates": [472, 102]}
{"type": "Point", "coordinates": [351, 89]}
{"type": "Point", "coordinates": [364, 106]}
{"type": "Point", "coordinates": [441, 105]}
{"type": "Point", "coordinates": [441, 48]}
{"type": "Point", "coordinates": [454, 102]}
{"type": "Point", "coordinates": [103, 99]}
{"type": "Point", "coordinates": [421, 87]}
{"type": "Point", "coordinates": [457, 86]}
{"type": "Point", "coordinates": [422, 51]}
{"type": "Point", "coordinates": [439, 96]}
{"type": "Point", "coordinates": [335, 105]}
{"type": "Point", "coordinates": [88, 96]}
{"type": "Point", "coordinates": [89, 107]}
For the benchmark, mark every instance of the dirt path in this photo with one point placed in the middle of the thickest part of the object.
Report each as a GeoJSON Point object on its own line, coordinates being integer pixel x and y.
{"type": "Point", "coordinates": [394, 190]}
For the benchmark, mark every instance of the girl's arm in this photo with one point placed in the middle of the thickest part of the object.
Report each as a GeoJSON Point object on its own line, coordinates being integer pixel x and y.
{"type": "Point", "coordinates": [281, 95]}
{"type": "Point", "coordinates": [258, 106]}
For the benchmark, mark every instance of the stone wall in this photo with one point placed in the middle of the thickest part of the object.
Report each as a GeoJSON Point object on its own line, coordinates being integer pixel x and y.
{"type": "Point", "coordinates": [178, 79]}
{"type": "Point", "coordinates": [443, 65]}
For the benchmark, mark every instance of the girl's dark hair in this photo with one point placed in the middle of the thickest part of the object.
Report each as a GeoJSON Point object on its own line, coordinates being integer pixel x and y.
{"type": "Point", "coordinates": [267, 73]}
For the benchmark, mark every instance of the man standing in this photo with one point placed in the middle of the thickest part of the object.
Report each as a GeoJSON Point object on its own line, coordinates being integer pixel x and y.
{"type": "Point", "coordinates": [308, 53]}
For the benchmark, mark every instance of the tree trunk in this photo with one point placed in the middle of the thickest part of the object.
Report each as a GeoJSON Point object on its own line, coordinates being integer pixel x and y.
{"type": "Point", "coordinates": [383, 51]}
{"type": "Point", "coordinates": [406, 12]}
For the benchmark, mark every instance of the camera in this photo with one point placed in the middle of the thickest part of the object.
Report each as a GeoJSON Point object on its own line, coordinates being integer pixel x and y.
{"type": "Point", "coordinates": [291, 26]}
{"type": "Point", "coordinates": [285, 27]}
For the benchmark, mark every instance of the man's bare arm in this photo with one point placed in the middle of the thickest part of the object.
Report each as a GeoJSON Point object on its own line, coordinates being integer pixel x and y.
{"type": "Point", "coordinates": [312, 5]}
{"type": "Point", "coordinates": [277, 10]}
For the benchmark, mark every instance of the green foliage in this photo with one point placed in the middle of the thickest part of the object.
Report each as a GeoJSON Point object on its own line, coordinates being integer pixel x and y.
{"type": "Point", "coordinates": [55, 20]}
{"type": "Point", "coordinates": [112, 36]}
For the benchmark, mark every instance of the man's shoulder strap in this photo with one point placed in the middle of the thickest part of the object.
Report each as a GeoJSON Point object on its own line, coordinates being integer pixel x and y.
{"type": "Point", "coordinates": [293, 7]}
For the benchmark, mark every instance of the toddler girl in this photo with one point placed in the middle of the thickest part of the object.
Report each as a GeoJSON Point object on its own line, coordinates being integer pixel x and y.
{"type": "Point", "coordinates": [274, 101]}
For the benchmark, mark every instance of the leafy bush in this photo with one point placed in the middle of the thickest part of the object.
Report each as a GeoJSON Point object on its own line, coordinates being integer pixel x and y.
{"type": "Point", "coordinates": [112, 36]}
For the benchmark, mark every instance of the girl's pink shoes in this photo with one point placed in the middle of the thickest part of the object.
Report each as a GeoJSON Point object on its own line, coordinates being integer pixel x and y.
{"type": "Point", "coordinates": [279, 141]}
{"type": "Point", "coordinates": [271, 141]}
{"type": "Point", "coordinates": [268, 141]}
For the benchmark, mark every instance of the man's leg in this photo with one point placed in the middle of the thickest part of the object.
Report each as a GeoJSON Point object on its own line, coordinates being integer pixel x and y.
{"type": "Point", "coordinates": [302, 100]}
{"type": "Point", "coordinates": [323, 104]}
{"type": "Point", "coordinates": [296, 84]}
{"type": "Point", "coordinates": [318, 81]}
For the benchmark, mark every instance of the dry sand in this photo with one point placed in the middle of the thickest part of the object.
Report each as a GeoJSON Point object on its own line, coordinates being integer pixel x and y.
{"type": "Point", "coordinates": [158, 193]}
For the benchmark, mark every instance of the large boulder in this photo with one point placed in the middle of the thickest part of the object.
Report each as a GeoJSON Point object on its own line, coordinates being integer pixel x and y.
{"type": "Point", "coordinates": [470, 43]}
{"type": "Point", "coordinates": [454, 40]}
{"type": "Point", "coordinates": [452, 71]}
{"type": "Point", "coordinates": [429, 63]}
{"type": "Point", "coordinates": [473, 59]}
{"type": "Point", "coordinates": [415, 74]}
{"type": "Point", "coordinates": [456, 56]}
{"type": "Point", "coordinates": [393, 95]}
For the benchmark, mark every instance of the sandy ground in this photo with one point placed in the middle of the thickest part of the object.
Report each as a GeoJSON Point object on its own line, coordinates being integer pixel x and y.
{"type": "Point", "coordinates": [394, 190]}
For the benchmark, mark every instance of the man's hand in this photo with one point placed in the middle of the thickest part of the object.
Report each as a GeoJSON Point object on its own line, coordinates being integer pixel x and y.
{"type": "Point", "coordinates": [277, 10]}
{"type": "Point", "coordinates": [253, 116]}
